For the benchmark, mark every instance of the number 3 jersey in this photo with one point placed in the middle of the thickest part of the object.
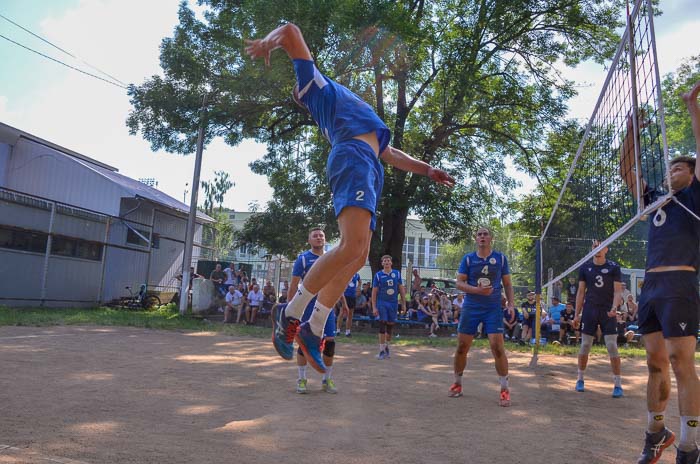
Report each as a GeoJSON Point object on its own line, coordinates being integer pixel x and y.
{"type": "Point", "coordinates": [487, 271]}
{"type": "Point", "coordinates": [387, 285]}
{"type": "Point", "coordinates": [600, 283]}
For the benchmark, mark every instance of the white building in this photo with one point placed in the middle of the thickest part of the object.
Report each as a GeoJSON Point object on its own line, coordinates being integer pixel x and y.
{"type": "Point", "coordinates": [73, 231]}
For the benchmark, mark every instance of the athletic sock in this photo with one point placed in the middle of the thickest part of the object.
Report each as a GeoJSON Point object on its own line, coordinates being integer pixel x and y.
{"type": "Point", "coordinates": [347, 332]}
{"type": "Point", "coordinates": [580, 375]}
{"type": "Point", "coordinates": [327, 375]}
{"type": "Point", "coordinates": [617, 380]}
{"type": "Point", "coordinates": [503, 380]}
{"type": "Point", "coordinates": [689, 433]}
{"type": "Point", "coordinates": [302, 371]}
{"type": "Point", "coordinates": [318, 319]}
{"type": "Point", "coordinates": [299, 302]}
{"type": "Point", "coordinates": [655, 421]}
{"type": "Point", "coordinates": [382, 347]}
{"type": "Point", "coordinates": [458, 378]}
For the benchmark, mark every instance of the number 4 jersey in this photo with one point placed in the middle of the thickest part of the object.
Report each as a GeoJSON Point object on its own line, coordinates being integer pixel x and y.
{"type": "Point", "coordinates": [600, 283]}
{"type": "Point", "coordinates": [485, 271]}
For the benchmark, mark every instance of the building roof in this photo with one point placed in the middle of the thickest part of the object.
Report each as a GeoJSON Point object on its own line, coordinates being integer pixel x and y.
{"type": "Point", "coordinates": [11, 135]}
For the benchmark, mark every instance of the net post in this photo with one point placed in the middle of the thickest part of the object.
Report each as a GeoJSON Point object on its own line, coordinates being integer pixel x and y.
{"type": "Point", "coordinates": [538, 301]}
{"type": "Point", "coordinates": [635, 107]}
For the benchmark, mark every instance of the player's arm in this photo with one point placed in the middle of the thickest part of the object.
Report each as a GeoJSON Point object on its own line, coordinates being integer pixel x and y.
{"type": "Point", "coordinates": [628, 166]}
{"type": "Point", "coordinates": [691, 102]}
{"type": "Point", "coordinates": [617, 298]}
{"type": "Point", "coordinates": [579, 301]}
{"type": "Point", "coordinates": [510, 295]}
{"type": "Point", "coordinates": [293, 287]}
{"type": "Point", "coordinates": [402, 292]}
{"type": "Point", "coordinates": [405, 162]}
{"type": "Point", "coordinates": [288, 37]}
{"type": "Point", "coordinates": [462, 285]}
{"type": "Point", "coordinates": [375, 291]}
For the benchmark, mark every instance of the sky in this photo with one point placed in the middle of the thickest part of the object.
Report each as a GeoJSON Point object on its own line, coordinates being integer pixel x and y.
{"type": "Point", "coordinates": [122, 38]}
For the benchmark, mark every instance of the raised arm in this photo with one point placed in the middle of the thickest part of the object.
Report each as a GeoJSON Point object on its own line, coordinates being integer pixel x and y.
{"type": "Point", "coordinates": [628, 167]}
{"type": "Point", "coordinates": [691, 101]}
{"type": "Point", "coordinates": [401, 160]}
{"type": "Point", "coordinates": [288, 37]}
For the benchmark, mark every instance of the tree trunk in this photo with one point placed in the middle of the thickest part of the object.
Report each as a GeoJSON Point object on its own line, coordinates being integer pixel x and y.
{"type": "Point", "coordinates": [388, 238]}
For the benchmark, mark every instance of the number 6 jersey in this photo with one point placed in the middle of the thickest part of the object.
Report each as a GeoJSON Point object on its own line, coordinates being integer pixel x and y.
{"type": "Point", "coordinates": [600, 283]}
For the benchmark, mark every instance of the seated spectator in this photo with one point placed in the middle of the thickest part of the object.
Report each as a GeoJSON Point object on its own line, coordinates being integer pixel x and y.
{"type": "Point", "coordinates": [255, 299]}
{"type": "Point", "coordinates": [428, 316]}
{"type": "Point", "coordinates": [234, 300]}
{"type": "Point", "coordinates": [625, 333]}
{"type": "Point", "coordinates": [457, 306]}
{"type": "Point", "coordinates": [367, 292]}
{"type": "Point", "coordinates": [512, 328]}
{"type": "Point", "coordinates": [631, 309]}
{"type": "Point", "coordinates": [445, 308]}
{"type": "Point", "coordinates": [361, 303]}
{"type": "Point", "coordinates": [413, 307]}
{"type": "Point", "coordinates": [269, 291]}
{"type": "Point", "coordinates": [230, 272]}
{"type": "Point", "coordinates": [566, 324]}
{"type": "Point", "coordinates": [529, 309]}
{"type": "Point", "coordinates": [253, 283]}
{"type": "Point", "coordinates": [218, 277]}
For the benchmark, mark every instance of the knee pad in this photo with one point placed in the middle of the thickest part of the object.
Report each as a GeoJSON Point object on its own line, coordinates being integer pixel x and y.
{"type": "Point", "coordinates": [586, 344]}
{"type": "Point", "coordinates": [329, 348]}
{"type": "Point", "coordinates": [389, 329]}
{"type": "Point", "coordinates": [611, 345]}
{"type": "Point", "coordinates": [382, 327]}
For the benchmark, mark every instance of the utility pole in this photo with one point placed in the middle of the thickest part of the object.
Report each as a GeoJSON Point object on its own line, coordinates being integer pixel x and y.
{"type": "Point", "coordinates": [191, 220]}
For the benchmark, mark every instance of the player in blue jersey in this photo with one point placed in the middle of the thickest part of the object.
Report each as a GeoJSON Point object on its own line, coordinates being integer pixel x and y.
{"type": "Point", "coordinates": [348, 309]}
{"type": "Point", "coordinates": [482, 275]}
{"type": "Point", "coordinates": [386, 288]}
{"type": "Point", "coordinates": [302, 265]}
{"type": "Point", "coordinates": [359, 139]}
{"type": "Point", "coordinates": [669, 303]}
{"type": "Point", "coordinates": [600, 285]}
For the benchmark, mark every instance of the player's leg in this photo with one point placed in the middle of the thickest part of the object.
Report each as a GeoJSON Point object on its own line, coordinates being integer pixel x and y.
{"type": "Point", "coordinates": [382, 310]}
{"type": "Point", "coordinates": [493, 327]}
{"type": "Point", "coordinates": [327, 383]}
{"type": "Point", "coordinates": [469, 320]}
{"type": "Point", "coordinates": [389, 331]}
{"type": "Point", "coordinates": [608, 326]}
{"type": "Point", "coordinates": [302, 382]}
{"type": "Point", "coordinates": [349, 315]}
{"type": "Point", "coordinates": [681, 351]}
{"type": "Point", "coordinates": [589, 329]}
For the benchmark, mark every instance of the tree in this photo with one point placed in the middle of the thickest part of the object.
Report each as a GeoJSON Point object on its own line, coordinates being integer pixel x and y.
{"type": "Point", "coordinates": [678, 129]}
{"type": "Point", "coordinates": [223, 234]}
{"type": "Point", "coordinates": [215, 191]}
{"type": "Point", "coordinates": [459, 82]}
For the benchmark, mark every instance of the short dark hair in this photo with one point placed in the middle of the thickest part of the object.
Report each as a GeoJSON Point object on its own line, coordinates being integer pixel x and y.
{"type": "Point", "coordinates": [689, 160]}
{"type": "Point", "coordinates": [386, 256]}
{"type": "Point", "coordinates": [314, 229]}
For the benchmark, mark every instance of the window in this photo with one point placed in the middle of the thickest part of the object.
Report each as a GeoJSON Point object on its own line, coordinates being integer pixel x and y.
{"type": "Point", "coordinates": [422, 248]}
{"type": "Point", "coordinates": [232, 216]}
{"type": "Point", "coordinates": [433, 253]}
{"type": "Point", "coordinates": [133, 238]}
{"type": "Point", "coordinates": [76, 248]}
{"type": "Point", "coordinates": [24, 240]}
{"type": "Point", "coordinates": [408, 252]}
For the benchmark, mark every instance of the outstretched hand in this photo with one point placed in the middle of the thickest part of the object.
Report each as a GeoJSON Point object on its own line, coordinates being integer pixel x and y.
{"type": "Point", "coordinates": [258, 48]}
{"type": "Point", "coordinates": [441, 177]}
{"type": "Point", "coordinates": [691, 98]}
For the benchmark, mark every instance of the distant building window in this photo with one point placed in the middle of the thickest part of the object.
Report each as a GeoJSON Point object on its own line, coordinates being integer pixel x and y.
{"type": "Point", "coordinates": [408, 253]}
{"type": "Point", "coordinates": [433, 253]}
{"type": "Point", "coordinates": [232, 216]}
{"type": "Point", "coordinates": [76, 248]}
{"type": "Point", "coordinates": [132, 238]}
{"type": "Point", "coordinates": [422, 251]}
{"type": "Point", "coordinates": [23, 240]}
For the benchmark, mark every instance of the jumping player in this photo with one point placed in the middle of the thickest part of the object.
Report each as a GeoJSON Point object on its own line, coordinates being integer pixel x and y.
{"type": "Point", "coordinates": [349, 302]}
{"type": "Point", "coordinates": [600, 285]}
{"type": "Point", "coordinates": [386, 288]}
{"type": "Point", "coordinates": [359, 139]}
{"type": "Point", "coordinates": [669, 302]}
{"type": "Point", "coordinates": [302, 265]}
{"type": "Point", "coordinates": [482, 274]}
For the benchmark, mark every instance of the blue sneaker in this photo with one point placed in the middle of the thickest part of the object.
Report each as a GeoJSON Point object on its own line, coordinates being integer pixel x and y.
{"type": "Point", "coordinates": [386, 353]}
{"type": "Point", "coordinates": [688, 457]}
{"type": "Point", "coordinates": [579, 386]}
{"type": "Point", "coordinates": [310, 345]}
{"type": "Point", "coordinates": [654, 445]}
{"type": "Point", "coordinates": [381, 355]}
{"type": "Point", "coordinates": [284, 329]}
{"type": "Point", "coordinates": [617, 392]}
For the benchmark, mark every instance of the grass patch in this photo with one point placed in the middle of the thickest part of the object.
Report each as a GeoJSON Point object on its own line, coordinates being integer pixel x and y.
{"type": "Point", "coordinates": [167, 317]}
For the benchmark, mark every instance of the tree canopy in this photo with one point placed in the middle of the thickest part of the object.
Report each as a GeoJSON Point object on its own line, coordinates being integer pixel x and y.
{"type": "Point", "coordinates": [461, 84]}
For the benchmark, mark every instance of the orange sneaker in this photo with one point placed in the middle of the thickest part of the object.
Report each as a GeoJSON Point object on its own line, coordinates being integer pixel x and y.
{"type": "Point", "coordinates": [505, 398]}
{"type": "Point", "coordinates": [455, 390]}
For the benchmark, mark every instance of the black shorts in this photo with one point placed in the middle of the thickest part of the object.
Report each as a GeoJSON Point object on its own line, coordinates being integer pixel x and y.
{"type": "Point", "coordinates": [351, 301]}
{"type": "Point", "coordinates": [669, 302]}
{"type": "Point", "coordinates": [594, 316]}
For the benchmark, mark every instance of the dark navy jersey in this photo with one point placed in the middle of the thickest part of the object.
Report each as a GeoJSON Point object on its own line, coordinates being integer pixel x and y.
{"type": "Point", "coordinates": [387, 285]}
{"type": "Point", "coordinates": [600, 283]}
{"type": "Point", "coordinates": [339, 113]}
{"type": "Point", "coordinates": [530, 309]}
{"type": "Point", "coordinates": [489, 271]}
{"type": "Point", "coordinates": [674, 235]}
{"type": "Point", "coordinates": [351, 289]}
{"type": "Point", "coordinates": [303, 263]}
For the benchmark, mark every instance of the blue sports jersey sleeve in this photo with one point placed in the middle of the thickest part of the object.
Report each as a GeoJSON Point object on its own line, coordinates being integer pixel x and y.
{"type": "Point", "coordinates": [305, 71]}
{"type": "Point", "coordinates": [463, 268]}
{"type": "Point", "coordinates": [375, 281]}
{"type": "Point", "coordinates": [505, 269]}
{"type": "Point", "coordinates": [298, 269]}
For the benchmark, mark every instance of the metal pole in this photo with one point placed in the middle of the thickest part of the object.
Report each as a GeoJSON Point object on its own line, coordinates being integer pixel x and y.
{"type": "Point", "coordinates": [191, 220]}
{"type": "Point", "coordinates": [538, 301]}
{"type": "Point", "coordinates": [47, 253]}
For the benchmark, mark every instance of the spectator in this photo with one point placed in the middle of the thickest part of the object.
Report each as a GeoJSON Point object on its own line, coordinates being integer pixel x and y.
{"type": "Point", "coordinates": [512, 328]}
{"type": "Point", "coordinates": [625, 295]}
{"type": "Point", "coordinates": [556, 290]}
{"type": "Point", "coordinates": [253, 283]}
{"type": "Point", "coordinates": [625, 333]}
{"type": "Point", "coordinates": [554, 313]}
{"type": "Point", "coordinates": [566, 323]}
{"type": "Point", "coordinates": [413, 307]}
{"type": "Point", "coordinates": [445, 308]}
{"type": "Point", "coordinates": [362, 303]}
{"type": "Point", "coordinates": [193, 275]}
{"type": "Point", "coordinates": [269, 292]}
{"type": "Point", "coordinates": [631, 308]}
{"type": "Point", "coordinates": [230, 272]}
{"type": "Point", "coordinates": [234, 298]}
{"type": "Point", "coordinates": [427, 315]}
{"type": "Point", "coordinates": [457, 306]}
{"type": "Point", "coordinates": [255, 299]}
{"type": "Point", "coordinates": [529, 308]}
{"type": "Point", "coordinates": [571, 289]}
{"type": "Point", "coordinates": [367, 292]}
{"type": "Point", "coordinates": [415, 285]}
{"type": "Point", "coordinates": [284, 288]}
{"type": "Point", "coordinates": [217, 277]}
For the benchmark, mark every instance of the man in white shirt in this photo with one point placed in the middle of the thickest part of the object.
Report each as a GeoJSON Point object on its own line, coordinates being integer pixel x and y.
{"type": "Point", "coordinates": [255, 299]}
{"type": "Point", "coordinates": [230, 272]}
{"type": "Point", "coordinates": [234, 298]}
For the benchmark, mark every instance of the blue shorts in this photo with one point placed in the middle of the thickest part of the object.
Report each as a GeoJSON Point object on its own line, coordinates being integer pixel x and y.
{"type": "Point", "coordinates": [356, 177]}
{"type": "Point", "coordinates": [594, 316]}
{"type": "Point", "coordinates": [470, 318]}
{"type": "Point", "coordinates": [669, 302]}
{"type": "Point", "coordinates": [329, 328]}
{"type": "Point", "coordinates": [387, 310]}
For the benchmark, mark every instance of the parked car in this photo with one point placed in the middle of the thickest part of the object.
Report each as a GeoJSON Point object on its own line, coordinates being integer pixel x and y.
{"type": "Point", "coordinates": [442, 283]}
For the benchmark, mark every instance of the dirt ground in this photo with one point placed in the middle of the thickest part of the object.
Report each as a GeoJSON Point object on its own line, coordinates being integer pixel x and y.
{"type": "Point", "coordinates": [125, 395]}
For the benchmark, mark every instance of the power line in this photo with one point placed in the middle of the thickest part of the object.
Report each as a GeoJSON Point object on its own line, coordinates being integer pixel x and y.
{"type": "Point", "coordinates": [61, 49]}
{"type": "Point", "coordinates": [64, 64]}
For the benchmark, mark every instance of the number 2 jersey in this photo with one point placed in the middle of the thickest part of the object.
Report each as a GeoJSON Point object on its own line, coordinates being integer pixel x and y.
{"type": "Point", "coordinates": [489, 270]}
{"type": "Point", "coordinates": [600, 283]}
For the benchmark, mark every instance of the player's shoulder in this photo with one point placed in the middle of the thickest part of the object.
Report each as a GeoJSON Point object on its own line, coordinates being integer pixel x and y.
{"type": "Point", "coordinates": [611, 263]}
